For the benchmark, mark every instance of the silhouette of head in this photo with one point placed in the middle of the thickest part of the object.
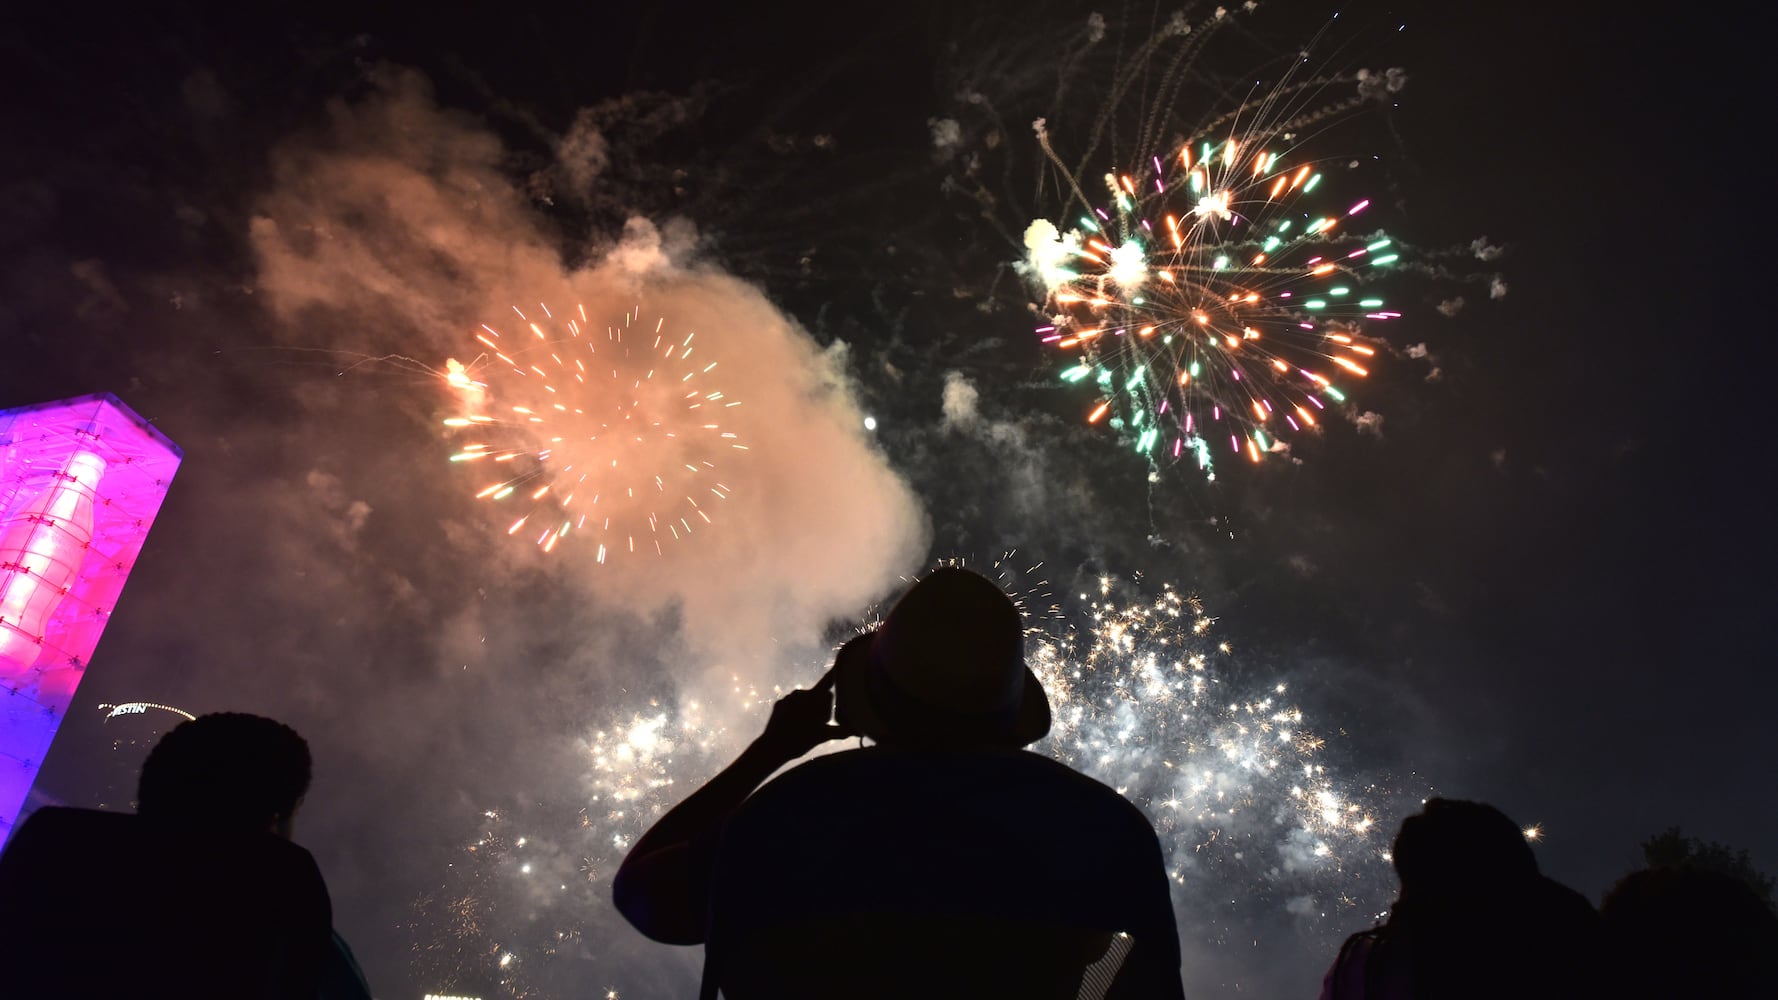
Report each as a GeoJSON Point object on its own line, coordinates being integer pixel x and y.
{"type": "Point", "coordinates": [1686, 931]}
{"type": "Point", "coordinates": [947, 668]}
{"type": "Point", "coordinates": [226, 771]}
{"type": "Point", "coordinates": [1453, 847]}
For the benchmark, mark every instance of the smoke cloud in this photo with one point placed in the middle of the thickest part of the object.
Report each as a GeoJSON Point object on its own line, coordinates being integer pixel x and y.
{"type": "Point", "coordinates": [460, 674]}
{"type": "Point", "coordinates": [947, 134]}
{"type": "Point", "coordinates": [960, 401]}
{"type": "Point", "coordinates": [1484, 250]}
{"type": "Point", "coordinates": [399, 211]}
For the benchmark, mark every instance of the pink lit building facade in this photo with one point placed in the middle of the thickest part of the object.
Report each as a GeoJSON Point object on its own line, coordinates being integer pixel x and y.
{"type": "Point", "coordinates": [81, 481]}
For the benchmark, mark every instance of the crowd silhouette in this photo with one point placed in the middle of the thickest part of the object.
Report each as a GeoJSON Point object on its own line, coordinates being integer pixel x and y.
{"type": "Point", "coordinates": [942, 860]}
{"type": "Point", "coordinates": [247, 914]}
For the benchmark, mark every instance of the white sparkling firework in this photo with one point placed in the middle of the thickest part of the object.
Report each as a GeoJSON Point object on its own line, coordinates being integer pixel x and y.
{"type": "Point", "coordinates": [1230, 771]}
{"type": "Point", "coordinates": [1258, 829]}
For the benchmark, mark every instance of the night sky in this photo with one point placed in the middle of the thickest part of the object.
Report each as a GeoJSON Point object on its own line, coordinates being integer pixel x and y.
{"type": "Point", "coordinates": [1540, 585]}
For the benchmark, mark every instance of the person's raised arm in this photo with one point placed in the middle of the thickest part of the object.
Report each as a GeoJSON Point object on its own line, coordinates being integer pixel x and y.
{"type": "Point", "coordinates": [663, 885]}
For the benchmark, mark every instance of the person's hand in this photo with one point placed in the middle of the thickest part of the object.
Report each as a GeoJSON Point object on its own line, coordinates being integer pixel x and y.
{"type": "Point", "coordinates": [799, 722]}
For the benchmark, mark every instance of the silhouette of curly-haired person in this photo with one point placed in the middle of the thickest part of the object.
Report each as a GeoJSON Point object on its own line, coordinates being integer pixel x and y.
{"type": "Point", "coordinates": [1475, 918]}
{"type": "Point", "coordinates": [199, 894]}
{"type": "Point", "coordinates": [1678, 931]}
{"type": "Point", "coordinates": [943, 861]}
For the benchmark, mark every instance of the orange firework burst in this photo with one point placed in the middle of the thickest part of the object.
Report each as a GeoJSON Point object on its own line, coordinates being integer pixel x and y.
{"type": "Point", "coordinates": [612, 433]}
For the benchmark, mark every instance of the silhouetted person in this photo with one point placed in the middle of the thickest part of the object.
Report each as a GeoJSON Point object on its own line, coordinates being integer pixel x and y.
{"type": "Point", "coordinates": [200, 894]}
{"type": "Point", "coordinates": [1689, 932]}
{"type": "Point", "coordinates": [944, 861]}
{"type": "Point", "coordinates": [1475, 919]}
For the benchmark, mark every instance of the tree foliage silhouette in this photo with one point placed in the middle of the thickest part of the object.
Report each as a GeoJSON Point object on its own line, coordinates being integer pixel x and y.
{"type": "Point", "coordinates": [1672, 849]}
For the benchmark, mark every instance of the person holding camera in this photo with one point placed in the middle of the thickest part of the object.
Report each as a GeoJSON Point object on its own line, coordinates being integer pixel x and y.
{"type": "Point", "coordinates": [944, 859]}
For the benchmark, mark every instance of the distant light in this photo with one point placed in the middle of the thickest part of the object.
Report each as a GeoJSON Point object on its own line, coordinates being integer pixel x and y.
{"type": "Point", "coordinates": [870, 423]}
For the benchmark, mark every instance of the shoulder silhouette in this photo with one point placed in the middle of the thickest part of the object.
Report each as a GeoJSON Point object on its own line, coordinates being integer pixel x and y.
{"type": "Point", "coordinates": [1474, 919]}
{"type": "Point", "coordinates": [200, 894]}
{"type": "Point", "coordinates": [944, 860]}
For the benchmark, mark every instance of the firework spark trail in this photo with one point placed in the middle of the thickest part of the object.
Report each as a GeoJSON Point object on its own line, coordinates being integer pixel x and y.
{"type": "Point", "coordinates": [466, 932]}
{"type": "Point", "coordinates": [613, 435]}
{"type": "Point", "coordinates": [1033, 596]}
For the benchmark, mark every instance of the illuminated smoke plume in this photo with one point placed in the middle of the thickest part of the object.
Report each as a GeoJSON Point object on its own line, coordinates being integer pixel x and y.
{"type": "Point", "coordinates": [396, 228]}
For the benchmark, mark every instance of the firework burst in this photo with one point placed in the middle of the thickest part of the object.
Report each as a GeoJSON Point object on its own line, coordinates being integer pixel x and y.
{"type": "Point", "coordinates": [639, 760]}
{"type": "Point", "coordinates": [615, 434]}
{"type": "Point", "coordinates": [1230, 770]}
{"type": "Point", "coordinates": [1212, 298]}
{"type": "Point", "coordinates": [1202, 252]}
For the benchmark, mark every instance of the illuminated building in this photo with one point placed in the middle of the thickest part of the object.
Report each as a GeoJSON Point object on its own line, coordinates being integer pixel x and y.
{"type": "Point", "coordinates": [80, 483]}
